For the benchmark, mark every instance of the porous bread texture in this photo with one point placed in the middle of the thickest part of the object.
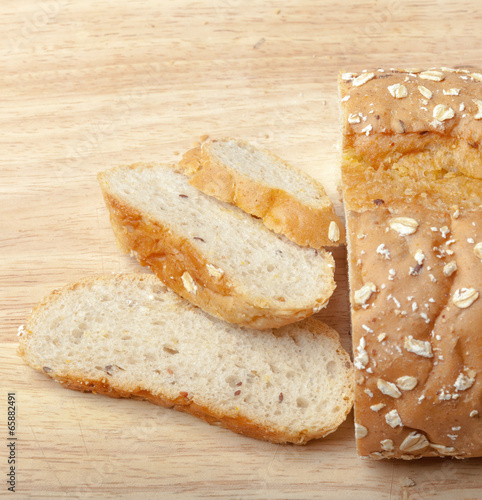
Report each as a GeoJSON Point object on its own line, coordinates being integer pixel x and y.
{"type": "Point", "coordinates": [261, 166]}
{"type": "Point", "coordinates": [212, 253]}
{"type": "Point", "coordinates": [129, 336]}
{"type": "Point", "coordinates": [287, 200]}
{"type": "Point", "coordinates": [412, 181]}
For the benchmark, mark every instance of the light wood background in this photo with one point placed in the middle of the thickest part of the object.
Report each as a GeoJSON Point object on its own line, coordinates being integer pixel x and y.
{"type": "Point", "coordinates": [86, 85]}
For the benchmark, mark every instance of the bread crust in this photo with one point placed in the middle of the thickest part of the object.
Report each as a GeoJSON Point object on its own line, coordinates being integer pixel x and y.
{"type": "Point", "coordinates": [412, 253]}
{"type": "Point", "coordinates": [280, 211]}
{"type": "Point", "coordinates": [383, 113]}
{"type": "Point", "coordinates": [170, 256]}
{"type": "Point", "coordinates": [185, 402]}
{"type": "Point", "coordinates": [427, 147]}
{"type": "Point", "coordinates": [238, 424]}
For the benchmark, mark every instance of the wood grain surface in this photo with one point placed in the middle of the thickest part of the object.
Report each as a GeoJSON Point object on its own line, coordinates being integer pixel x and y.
{"type": "Point", "coordinates": [90, 84]}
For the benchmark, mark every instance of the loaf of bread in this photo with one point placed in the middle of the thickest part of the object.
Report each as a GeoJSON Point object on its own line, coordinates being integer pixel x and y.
{"type": "Point", "coordinates": [412, 184]}
{"type": "Point", "coordinates": [212, 253]}
{"type": "Point", "coordinates": [129, 336]}
{"type": "Point", "coordinates": [289, 201]}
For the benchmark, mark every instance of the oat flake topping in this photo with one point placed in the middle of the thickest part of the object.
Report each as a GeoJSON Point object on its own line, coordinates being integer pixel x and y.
{"type": "Point", "coordinates": [386, 444]}
{"type": "Point", "coordinates": [450, 268]}
{"type": "Point", "coordinates": [398, 90]}
{"type": "Point", "coordinates": [393, 419]}
{"type": "Point", "coordinates": [478, 250]}
{"type": "Point", "coordinates": [377, 407]}
{"type": "Point", "coordinates": [388, 388]}
{"type": "Point", "coordinates": [465, 297]}
{"type": "Point", "coordinates": [361, 360]}
{"type": "Point", "coordinates": [464, 382]}
{"type": "Point", "coordinates": [451, 92]}
{"type": "Point", "coordinates": [414, 442]}
{"type": "Point", "coordinates": [478, 116]}
{"type": "Point", "coordinates": [346, 77]}
{"type": "Point", "coordinates": [363, 78]}
{"type": "Point", "coordinates": [407, 383]}
{"type": "Point", "coordinates": [425, 92]}
{"type": "Point", "coordinates": [364, 293]}
{"type": "Point", "coordinates": [419, 347]}
{"type": "Point", "coordinates": [354, 118]}
{"type": "Point", "coordinates": [435, 76]}
{"type": "Point", "coordinates": [442, 112]}
{"type": "Point", "coordinates": [404, 226]}
{"type": "Point", "coordinates": [443, 450]}
{"type": "Point", "coordinates": [360, 431]}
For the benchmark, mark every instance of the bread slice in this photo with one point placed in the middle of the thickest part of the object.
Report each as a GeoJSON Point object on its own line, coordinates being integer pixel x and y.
{"type": "Point", "coordinates": [129, 336]}
{"type": "Point", "coordinates": [412, 182]}
{"type": "Point", "coordinates": [289, 201]}
{"type": "Point", "coordinates": [212, 253]}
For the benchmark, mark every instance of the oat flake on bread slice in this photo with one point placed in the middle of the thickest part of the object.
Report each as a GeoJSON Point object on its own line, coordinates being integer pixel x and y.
{"type": "Point", "coordinates": [130, 336]}
{"type": "Point", "coordinates": [289, 201]}
{"type": "Point", "coordinates": [212, 253]}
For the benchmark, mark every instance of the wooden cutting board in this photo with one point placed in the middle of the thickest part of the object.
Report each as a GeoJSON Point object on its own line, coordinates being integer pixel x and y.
{"type": "Point", "coordinates": [88, 85]}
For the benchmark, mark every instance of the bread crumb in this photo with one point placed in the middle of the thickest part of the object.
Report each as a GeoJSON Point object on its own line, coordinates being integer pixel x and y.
{"type": "Point", "coordinates": [407, 482]}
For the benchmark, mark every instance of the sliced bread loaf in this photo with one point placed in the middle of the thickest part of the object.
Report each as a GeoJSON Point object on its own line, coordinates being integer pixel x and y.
{"type": "Point", "coordinates": [129, 336]}
{"type": "Point", "coordinates": [289, 201]}
{"type": "Point", "coordinates": [212, 253]}
{"type": "Point", "coordinates": [413, 140]}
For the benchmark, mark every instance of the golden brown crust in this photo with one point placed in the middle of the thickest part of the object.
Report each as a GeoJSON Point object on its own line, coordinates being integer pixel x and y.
{"type": "Point", "coordinates": [170, 256]}
{"type": "Point", "coordinates": [409, 276]}
{"type": "Point", "coordinates": [421, 178]}
{"type": "Point", "coordinates": [240, 425]}
{"type": "Point", "coordinates": [381, 112]}
{"type": "Point", "coordinates": [427, 148]}
{"type": "Point", "coordinates": [280, 211]}
{"type": "Point", "coordinates": [418, 303]}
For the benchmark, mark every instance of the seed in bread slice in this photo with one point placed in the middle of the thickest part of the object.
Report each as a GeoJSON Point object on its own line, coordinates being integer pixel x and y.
{"type": "Point", "coordinates": [289, 201]}
{"type": "Point", "coordinates": [212, 253]}
{"type": "Point", "coordinates": [130, 336]}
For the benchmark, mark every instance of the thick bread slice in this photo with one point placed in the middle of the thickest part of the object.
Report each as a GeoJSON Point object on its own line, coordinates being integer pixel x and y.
{"type": "Point", "coordinates": [289, 201]}
{"type": "Point", "coordinates": [412, 181]}
{"type": "Point", "coordinates": [129, 336]}
{"type": "Point", "coordinates": [212, 253]}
